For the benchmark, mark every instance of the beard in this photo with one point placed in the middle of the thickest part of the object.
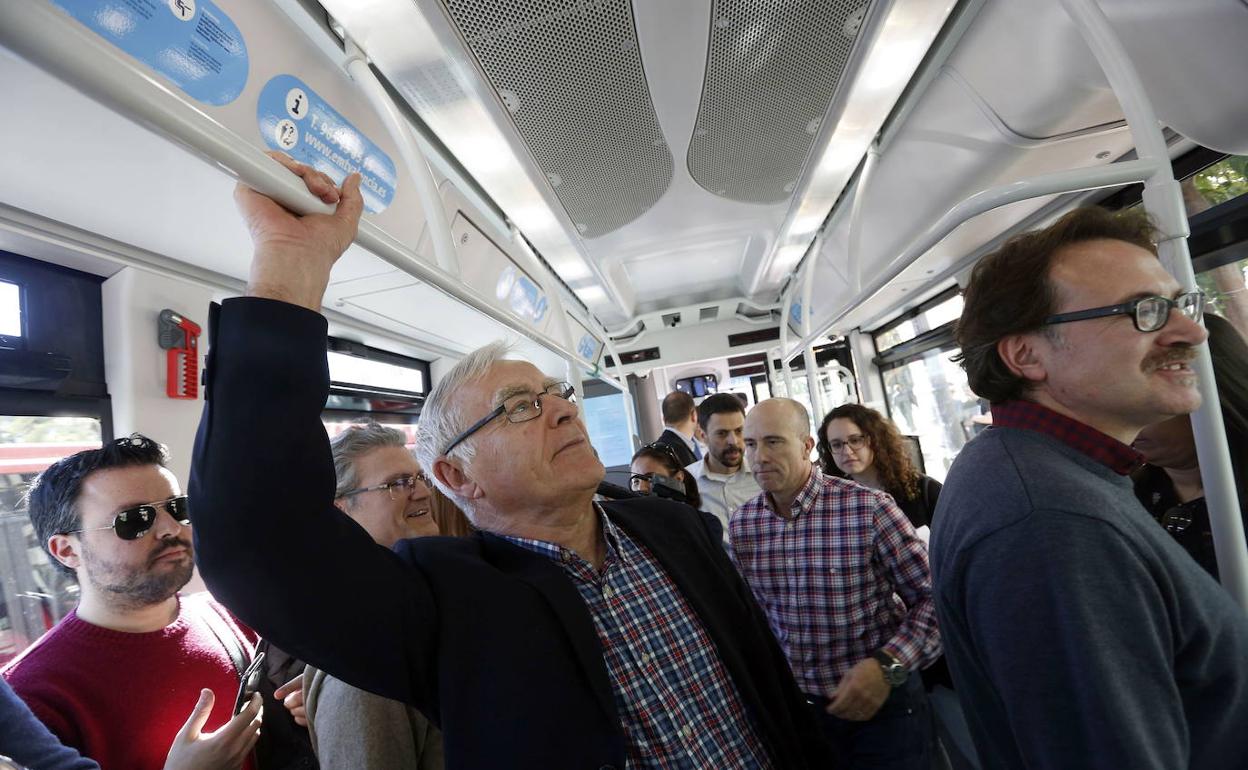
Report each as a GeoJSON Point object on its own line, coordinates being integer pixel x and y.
{"type": "Point", "coordinates": [729, 458]}
{"type": "Point", "coordinates": [138, 586]}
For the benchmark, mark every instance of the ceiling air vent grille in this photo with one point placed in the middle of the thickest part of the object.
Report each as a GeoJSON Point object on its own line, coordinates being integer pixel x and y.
{"type": "Point", "coordinates": [570, 74]}
{"type": "Point", "coordinates": [772, 69]}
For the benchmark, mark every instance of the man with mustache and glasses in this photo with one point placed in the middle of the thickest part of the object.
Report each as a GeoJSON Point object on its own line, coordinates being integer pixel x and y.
{"type": "Point", "coordinates": [1079, 633]}
{"type": "Point", "coordinates": [116, 678]}
{"type": "Point", "coordinates": [562, 633]}
{"type": "Point", "coordinates": [724, 478]}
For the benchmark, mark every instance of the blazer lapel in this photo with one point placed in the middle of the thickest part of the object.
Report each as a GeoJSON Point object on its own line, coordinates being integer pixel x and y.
{"type": "Point", "coordinates": [555, 586]}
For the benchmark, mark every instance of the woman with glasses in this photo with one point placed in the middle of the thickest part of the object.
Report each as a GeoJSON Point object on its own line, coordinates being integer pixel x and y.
{"type": "Point", "coordinates": [661, 459]}
{"type": "Point", "coordinates": [1169, 486]}
{"type": "Point", "coordinates": [380, 486]}
{"type": "Point", "coordinates": [860, 443]}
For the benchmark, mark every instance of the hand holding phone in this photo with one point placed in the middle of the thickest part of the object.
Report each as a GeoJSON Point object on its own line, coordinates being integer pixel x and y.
{"type": "Point", "coordinates": [249, 685]}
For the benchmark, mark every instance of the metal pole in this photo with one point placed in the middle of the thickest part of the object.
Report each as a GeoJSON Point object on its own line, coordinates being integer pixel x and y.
{"type": "Point", "coordinates": [417, 166]}
{"type": "Point", "coordinates": [784, 338]}
{"type": "Point", "coordinates": [808, 353]}
{"type": "Point", "coordinates": [1163, 199]}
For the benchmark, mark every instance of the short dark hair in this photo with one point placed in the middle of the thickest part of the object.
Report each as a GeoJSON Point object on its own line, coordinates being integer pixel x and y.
{"type": "Point", "coordinates": [1010, 291]}
{"type": "Point", "coordinates": [52, 500]}
{"type": "Point", "coordinates": [676, 407]}
{"type": "Point", "coordinates": [718, 403]}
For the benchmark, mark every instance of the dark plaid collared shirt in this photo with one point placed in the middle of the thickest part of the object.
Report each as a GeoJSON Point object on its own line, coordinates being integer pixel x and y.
{"type": "Point", "coordinates": [678, 706]}
{"type": "Point", "coordinates": [842, 578]}
{"type": "Point", "coordinates": [1028, 415]}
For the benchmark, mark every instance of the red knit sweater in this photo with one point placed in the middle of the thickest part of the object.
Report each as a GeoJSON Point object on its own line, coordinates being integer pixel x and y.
{"type": "Point", "coordinates": [120, 698]}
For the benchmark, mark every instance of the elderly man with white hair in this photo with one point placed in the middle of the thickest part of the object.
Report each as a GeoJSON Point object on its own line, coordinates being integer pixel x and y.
{"type": "Point", "coordinates": [563, 634]}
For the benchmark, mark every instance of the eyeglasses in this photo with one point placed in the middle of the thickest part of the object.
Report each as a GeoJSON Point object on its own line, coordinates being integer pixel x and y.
{"type": "Point", "coordinates": [855, 442]}
{"type": "Point", "coordinates": [133, 523]}
{"type": "Point", "coordinates": [637, 479]}
{"type": "Point", "coordinates": [1149, 313]}
{"type": "Point", "coordinates": [518, 408]}
{"type": "Point", "coordinates": [405, 485]}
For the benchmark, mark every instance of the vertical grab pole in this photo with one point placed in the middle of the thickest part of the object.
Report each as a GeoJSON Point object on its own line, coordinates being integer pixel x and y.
{"type": "Point", "coordinates": [1163, 199]}
{"type": "Point", "coordinates": [808, 353]}
{"type": "Point", "coordinates": [417, 167]}
{"type": "Point", "coordinates": [784, 338]}
{"type": "Point", "coordinates": [634, 431]}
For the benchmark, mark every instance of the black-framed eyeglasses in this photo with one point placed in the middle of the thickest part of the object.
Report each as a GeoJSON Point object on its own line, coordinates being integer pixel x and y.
{"type": "Point", "coordinates": [134, 523]}
{"type": "Point", "coordinates": [519, 408]}
{"type": "Point", "coordinates": [1150, 314]}
{"type": "Point", "coordinates": [855, 442]}
{"type": "Point", "coordinates": [404, 484]}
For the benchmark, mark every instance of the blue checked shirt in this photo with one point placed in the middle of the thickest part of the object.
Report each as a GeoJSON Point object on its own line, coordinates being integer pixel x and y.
{"type": "Point", "coordinates": [844, 577]}
{"type": "Point", "coordinates": [677, 704]}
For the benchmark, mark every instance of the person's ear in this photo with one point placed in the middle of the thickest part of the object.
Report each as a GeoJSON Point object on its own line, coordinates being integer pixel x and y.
{"type": "Point", "coordinates": [66, 550]}
{"type": "Point", "coordinates": [341, 504]}
{"type": "Point", "coordinates": [809, 444]}
{"type": "Point", "coordinates": [450, 473]}
{"type": "Point", "coordinates": [1023, 355]}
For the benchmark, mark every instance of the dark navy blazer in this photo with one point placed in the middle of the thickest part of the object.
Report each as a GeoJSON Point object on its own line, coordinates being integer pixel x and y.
{"type": "Point", "coordinates": [491, 641]}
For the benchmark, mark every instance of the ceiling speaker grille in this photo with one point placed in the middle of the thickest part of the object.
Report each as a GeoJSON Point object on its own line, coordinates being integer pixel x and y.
{"type": "Point", "coordinates": [570, 74]}
{"type": "Point", "coordinates": [772, 69]}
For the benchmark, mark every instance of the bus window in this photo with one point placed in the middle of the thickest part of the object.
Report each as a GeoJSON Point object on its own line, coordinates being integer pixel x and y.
{"type": "Point", "coordinates": [1222, 275]}
{"type": "Point", "coordinates": [928, 397]}
{"type": "Point", "coordinates": [33, 594]}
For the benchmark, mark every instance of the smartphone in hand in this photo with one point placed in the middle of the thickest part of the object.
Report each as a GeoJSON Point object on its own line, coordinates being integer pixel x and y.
{"type": "Point", "coordinates": [249, 685]}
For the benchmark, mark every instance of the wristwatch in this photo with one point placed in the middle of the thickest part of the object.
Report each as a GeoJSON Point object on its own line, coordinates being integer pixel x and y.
{"type": "Point", "coordinates": [894, 672]}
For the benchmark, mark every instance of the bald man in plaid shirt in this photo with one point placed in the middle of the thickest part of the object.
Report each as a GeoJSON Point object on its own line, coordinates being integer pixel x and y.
{"type": "Point", "coordinates": [844, 581]}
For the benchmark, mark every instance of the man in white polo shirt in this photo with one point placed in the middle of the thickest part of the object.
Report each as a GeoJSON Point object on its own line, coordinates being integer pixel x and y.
{"type": "Point", "coordinates": [724, 481]}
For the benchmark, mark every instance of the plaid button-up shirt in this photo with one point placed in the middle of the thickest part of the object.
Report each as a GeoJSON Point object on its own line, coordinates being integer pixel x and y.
{"type": "Point", "coordinates": [1106, 450]}
{"type": "Point", "coordinates": [842, 578]}
{"type": "Point", "coordinates": [678, 706]}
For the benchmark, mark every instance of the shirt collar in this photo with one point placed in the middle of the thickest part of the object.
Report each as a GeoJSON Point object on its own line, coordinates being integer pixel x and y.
{"type": "Point", "coordinates": [1106, 450]}
{"type": "Point", "coordinates": [556, 552]}
{"type": "Point", "coordinates": [805, 499]}
{"type": "Point", "coordinates": [688, 441]}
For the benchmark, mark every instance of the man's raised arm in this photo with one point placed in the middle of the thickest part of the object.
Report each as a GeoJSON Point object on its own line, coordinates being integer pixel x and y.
{"type": "Point", "coordinates": [269, 541]}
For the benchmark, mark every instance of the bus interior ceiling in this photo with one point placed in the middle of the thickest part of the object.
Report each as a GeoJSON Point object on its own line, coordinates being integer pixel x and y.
{"type": "Point", "coordinates": [672, 163]}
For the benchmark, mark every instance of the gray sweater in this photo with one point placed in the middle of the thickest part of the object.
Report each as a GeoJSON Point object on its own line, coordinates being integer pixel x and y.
{"type": "Point", "coordinates": [356, 730]}
{"type": "Point", "coordinates": [1079, 633]}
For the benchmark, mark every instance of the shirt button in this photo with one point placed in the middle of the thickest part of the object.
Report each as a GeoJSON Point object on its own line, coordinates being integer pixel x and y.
{"type": "Point", "coordinates": [687, 731]}
{"type": "Point", "coordinates": [607, 593]}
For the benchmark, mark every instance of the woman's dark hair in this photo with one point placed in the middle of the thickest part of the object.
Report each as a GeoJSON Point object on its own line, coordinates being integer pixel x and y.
{"type": "Point", "coordinates": [1010, 292]}
{"type": "Point", "coordinates": [1229, 353]}
{"type": "Point", "coordinates": [892, 462]}
{"type": "Point", "coordinates": [663, 454]}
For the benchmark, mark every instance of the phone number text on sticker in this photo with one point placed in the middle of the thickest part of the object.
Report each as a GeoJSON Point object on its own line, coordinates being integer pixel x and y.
{"type": "Point", "coordinates": [294, 119]}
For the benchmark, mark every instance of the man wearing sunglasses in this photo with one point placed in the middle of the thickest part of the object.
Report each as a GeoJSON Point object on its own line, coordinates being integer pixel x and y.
{"type": "Point", "coordinates": [116, 678]}
{"type": "Point", "coordinates": [1078, 632]}
{"type": "Point", "coordinates": [562, 634]}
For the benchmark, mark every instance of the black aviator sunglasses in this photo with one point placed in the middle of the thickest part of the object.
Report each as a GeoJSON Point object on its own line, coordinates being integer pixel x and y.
{"type": "Point", "coordinates": [133, 523]}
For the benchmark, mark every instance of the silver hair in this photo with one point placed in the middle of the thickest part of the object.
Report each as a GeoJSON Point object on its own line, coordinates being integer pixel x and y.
{"type": "Point", "coordinates": [355, 442]}
{"type": "Point", "coordinates": [441, 419]}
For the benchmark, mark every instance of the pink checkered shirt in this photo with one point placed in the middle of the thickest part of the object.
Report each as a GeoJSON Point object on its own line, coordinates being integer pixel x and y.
{"type": "Point", "coordinates": [844, 577]}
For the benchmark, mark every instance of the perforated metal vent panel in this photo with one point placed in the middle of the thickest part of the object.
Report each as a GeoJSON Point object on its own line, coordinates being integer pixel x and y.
{"type": "Point", "coordinates": [772, 69]}
{"type": "Point", "coordinates": [570, 73]}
